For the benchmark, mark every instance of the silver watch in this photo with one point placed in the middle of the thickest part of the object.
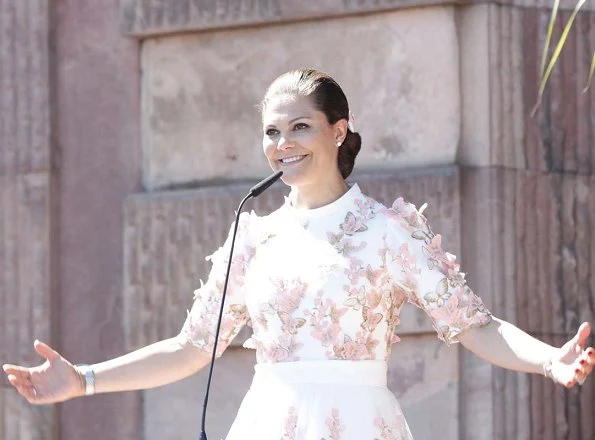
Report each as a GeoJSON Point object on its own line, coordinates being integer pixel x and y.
{"type": "Point", "coordinates": [87, 372]}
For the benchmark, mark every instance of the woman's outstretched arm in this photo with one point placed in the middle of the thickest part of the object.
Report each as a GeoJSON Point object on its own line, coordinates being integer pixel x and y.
{"type": "Point", "coordinates": [57, 379]}
{"type": "Point", "coordinates": [157, 364]}
{"type": "Point", "coordinates": [503, 344]}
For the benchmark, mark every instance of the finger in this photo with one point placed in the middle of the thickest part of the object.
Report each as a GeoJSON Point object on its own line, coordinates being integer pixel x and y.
{"type": "Point", "coordinates": [19, 379]}
{"type": "Point", "coordinates": [586, 358]}
{"type": "Point", "coordinates": [23, 388]}
{"type": "Point", "coordinates": [579, 371]}
{"type": "Point", "coordinates": [582, 372]}
{"type": "Point", "coordinates": [46, 351]}
{"type": "Point", "coordinates": [582, 335]}
{"type": "Point", "coordinates": [16, 370]}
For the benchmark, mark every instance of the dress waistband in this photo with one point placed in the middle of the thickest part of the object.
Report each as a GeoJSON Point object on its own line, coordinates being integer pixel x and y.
{"type": "Point", "coordinates": [357, 373]}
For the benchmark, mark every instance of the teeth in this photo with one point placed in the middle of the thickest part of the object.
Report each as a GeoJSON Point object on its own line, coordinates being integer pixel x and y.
{"type": "Point", "coordinates": [291, 159]}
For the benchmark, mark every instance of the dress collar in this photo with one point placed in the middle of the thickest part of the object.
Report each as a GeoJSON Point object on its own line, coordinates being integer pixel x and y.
{"type": "Point", "coordinates": [342, 203]}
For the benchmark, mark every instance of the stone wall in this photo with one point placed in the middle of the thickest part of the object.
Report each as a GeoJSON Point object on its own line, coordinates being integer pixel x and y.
{"type": "Point", "coordinates": [190, 81]}
{"type": "Point", "coordinates": [26, 198]}
{"type": "Point", "coordinates": [96, 106]}
{"type": "Point", "coordinates": [129, 133]}
{"type": "Point", "coordinates": [526, 203]}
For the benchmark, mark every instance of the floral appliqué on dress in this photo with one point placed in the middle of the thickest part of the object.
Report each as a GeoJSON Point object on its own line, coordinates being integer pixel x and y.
{"type": "Point", "coordinates": [329, 284]}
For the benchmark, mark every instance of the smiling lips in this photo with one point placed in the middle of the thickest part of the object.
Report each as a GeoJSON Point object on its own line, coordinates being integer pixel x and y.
{"type": "Point", "coordinates": [291, 159]}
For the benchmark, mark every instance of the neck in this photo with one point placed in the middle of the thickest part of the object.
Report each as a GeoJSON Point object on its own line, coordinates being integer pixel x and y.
{"type": "Point", "coordinates": [316, 196]}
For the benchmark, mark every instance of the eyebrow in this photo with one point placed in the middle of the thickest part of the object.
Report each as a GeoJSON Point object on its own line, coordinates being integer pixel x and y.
{"type": "Point", "coordinates": [292, 121]}
{"type": "Point", "coordinates": [301, 117]}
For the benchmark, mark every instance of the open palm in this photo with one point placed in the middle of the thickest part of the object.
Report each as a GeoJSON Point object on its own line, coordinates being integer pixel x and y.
{"type": "Point", "coordinates": [56, 380]}
{"type": "Point", "coordinates": [574, 362]}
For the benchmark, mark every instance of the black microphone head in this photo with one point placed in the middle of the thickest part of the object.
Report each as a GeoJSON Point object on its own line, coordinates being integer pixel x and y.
{"type": "Point", "coordinates": [257, 189]}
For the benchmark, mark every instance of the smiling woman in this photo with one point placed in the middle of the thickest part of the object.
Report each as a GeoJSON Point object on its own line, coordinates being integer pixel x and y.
{"type": "Point", "coordinates": [305, 118]}
{"type": "Point", "coordinates": [322, 280]}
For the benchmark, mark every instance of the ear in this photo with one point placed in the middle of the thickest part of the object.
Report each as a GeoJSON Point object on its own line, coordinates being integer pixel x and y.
{"type": "Point", "coordinates": [340, 130]}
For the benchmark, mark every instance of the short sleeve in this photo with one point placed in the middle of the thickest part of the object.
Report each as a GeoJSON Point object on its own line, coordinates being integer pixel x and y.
{"type": "Point", "coordinates": [201, 322]}
{"type": "Point", "coordinates": [430, 277]}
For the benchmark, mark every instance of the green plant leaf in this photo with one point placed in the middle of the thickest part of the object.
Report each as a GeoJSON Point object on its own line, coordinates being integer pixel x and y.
{"type": "Point", "coordinates": [591, 72]}
{"type": "Point", "coordinates": [548, 38]}
{"type": "Point", "coordinates": [546, 75]}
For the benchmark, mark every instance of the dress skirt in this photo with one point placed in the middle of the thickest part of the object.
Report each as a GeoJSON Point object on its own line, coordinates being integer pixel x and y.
{"type": "Point", "coordinates": [320, 400]}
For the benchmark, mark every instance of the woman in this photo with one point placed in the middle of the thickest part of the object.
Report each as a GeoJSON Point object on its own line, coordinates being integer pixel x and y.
{"type": "Point", "coordinates": [322, 281]}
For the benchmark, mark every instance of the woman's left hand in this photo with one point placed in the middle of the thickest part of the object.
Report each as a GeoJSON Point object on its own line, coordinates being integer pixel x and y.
{"type": "Point", "coordinates": [574, 361]}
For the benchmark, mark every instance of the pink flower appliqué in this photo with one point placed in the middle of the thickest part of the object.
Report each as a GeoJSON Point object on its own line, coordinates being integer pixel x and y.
{"type": "Point", "coordinates": [395, 431]}
{"type": "Point", "coordinates": [334, 424]}
{"type": "Point", "coordinates": [353, 224]}
{"type": "Point", "coordinates": [365, 207]}
{"type": "Point", "coordinates": [404, 259]}
{"type": "Point", "coordinates": [443, 261]}
{"type": "Point", "coordinates": [290, 426]}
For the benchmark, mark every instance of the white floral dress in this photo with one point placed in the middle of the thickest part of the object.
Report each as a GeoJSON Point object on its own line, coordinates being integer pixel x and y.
{"type": "Point", "coordinates": [322, 290]}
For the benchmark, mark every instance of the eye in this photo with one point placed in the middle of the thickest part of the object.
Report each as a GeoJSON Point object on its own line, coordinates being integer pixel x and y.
{"type": "Point", "coordinates": [300, 126]}
{"type": "Point", "coordinates": [271, 131]}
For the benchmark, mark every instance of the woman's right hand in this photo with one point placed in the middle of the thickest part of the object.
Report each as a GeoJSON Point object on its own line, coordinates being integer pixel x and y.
{"type": "Point", "coordinates": [56, 380]}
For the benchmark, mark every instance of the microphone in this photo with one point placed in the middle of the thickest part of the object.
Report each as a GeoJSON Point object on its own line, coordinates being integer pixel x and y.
{"type": "Point", "coordinates": [261, 186]}
{"type": "Point", "coordinates": [255, 191]}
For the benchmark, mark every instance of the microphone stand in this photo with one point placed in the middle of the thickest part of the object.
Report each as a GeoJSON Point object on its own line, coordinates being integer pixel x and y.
{"type": "Point", "coordinates": [255, 191]}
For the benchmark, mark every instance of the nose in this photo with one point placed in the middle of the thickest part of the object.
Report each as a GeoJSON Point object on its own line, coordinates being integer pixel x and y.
{"type": "Point", "coordinates": [283, 143]}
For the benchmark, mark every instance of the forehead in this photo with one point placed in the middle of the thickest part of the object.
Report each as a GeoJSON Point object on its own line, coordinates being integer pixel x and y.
{"type": "Point", "coordinates": [284, 108]}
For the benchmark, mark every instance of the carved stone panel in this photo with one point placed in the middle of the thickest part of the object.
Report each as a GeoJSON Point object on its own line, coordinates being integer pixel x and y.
{"type": "Point", "coordinates": [150, 18]}
{"type": "Point", "coordinates": [168, 235]}
{"type": "Point", "coordinates": [25, 309]}
{"type": "Point", "coordinates": [25, 217]}
{"type": "Point", "coordinates": [200, 92]}
{"type": "Point", "coordinates": [501, 50]}
{"type": "Point", "coordinates": [141, 18]}
{"type": "Point", "coordinates": [24, 86]}
{"type": "Point", "coordinates": [528, 241]}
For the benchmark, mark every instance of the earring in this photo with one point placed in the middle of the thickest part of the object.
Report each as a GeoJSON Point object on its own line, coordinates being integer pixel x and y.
{"type": "Point", "coordinates": [338, 143]}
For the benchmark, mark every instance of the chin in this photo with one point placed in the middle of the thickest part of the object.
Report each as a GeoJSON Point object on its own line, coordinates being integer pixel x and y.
{"type": "Point", "coordinates": [291, 178]}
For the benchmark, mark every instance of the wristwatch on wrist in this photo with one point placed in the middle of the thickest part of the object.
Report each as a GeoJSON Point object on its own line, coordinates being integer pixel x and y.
{"type": "Point", "coordinates": [89, 375]}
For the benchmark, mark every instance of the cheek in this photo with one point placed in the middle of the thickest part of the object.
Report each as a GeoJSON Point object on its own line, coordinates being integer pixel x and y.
{"type": "Point", "coordinates": [268, 147]}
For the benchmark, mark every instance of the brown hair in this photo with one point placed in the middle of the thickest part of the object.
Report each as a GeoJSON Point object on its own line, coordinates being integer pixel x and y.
{"type": "Point", "coordinates": [328, 98]}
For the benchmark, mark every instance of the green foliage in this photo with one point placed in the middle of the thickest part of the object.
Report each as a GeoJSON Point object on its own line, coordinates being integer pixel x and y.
{"type": "Point", "coordinates": [545, 72]}
{"type": "Point", "coordinates": [591, 72]}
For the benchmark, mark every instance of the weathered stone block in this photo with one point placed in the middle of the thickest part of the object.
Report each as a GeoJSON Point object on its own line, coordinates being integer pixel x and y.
{"type": "Point", "coordinates": [560, 136]}
{"type": "Point", "coordinates": [95, 83]}
{"type": "Point", "coordinates": [490, 247]}
{"type": "Point", "coordinates": [174, 412]}
{"type": "Point", "coordinates": [24, 86]}
{"type": "Point", "coordinates": [23, 421]}
{"type": "Point", "coordinates": [528, 240]}
{"type": "Point", "coordinates": [168, 235]}
{"type": "Point", "coordinates": [490, 39]}
{"type": "Point", "coordinates": [424, 375]}
{"type": "Point", "coordinates": [200, 91]}
{"type": "Point", "coordinates": [25, 280]}
{"type": "Point", "coordinates": [501, 48]}
{"type": "Point", "coordinates": [143, 19]}
{"type": "Point", "coordinates": [25, 311]}
{"type": "Point", "coordinates": [565, 5]}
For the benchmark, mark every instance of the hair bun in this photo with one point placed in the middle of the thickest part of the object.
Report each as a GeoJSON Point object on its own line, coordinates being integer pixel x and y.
{"type": "Point", "coordinates": [348, 151]}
